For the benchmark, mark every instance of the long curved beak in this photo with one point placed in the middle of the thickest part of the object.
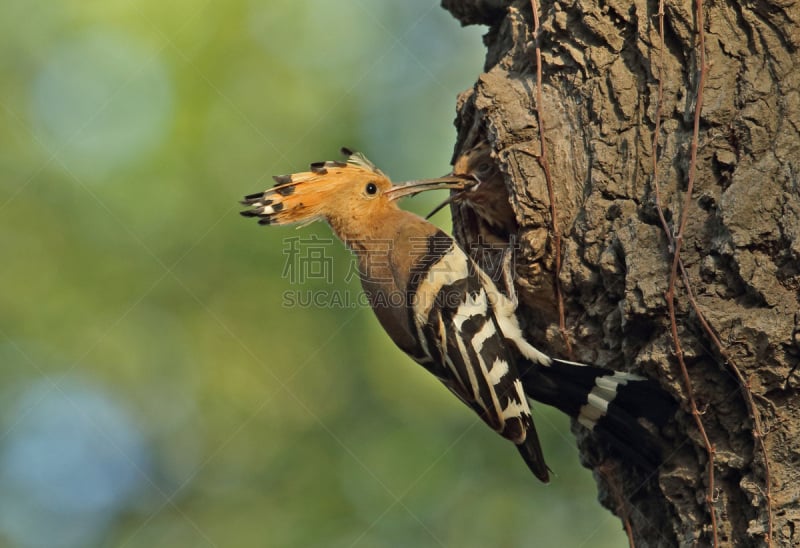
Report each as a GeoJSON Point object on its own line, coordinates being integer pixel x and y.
{"type": "Point", "coordinates": [410, 188]}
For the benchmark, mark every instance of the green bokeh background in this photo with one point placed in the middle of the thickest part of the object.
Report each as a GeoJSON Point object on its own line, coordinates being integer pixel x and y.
{"type": "Point", "coordinates": [155, 388]}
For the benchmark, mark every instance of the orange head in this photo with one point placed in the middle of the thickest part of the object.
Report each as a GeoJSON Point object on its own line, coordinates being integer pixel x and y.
{"type": "Point", "coordinates": [354, 196]}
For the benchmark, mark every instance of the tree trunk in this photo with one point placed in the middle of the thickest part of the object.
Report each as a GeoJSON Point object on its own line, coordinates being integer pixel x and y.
{"type": "Point", "coordinates": [601, 65]}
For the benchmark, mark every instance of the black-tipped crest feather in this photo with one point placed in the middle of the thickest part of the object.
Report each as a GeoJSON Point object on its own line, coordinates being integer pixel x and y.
{"type": "Point", "coordinates": [358, 159]}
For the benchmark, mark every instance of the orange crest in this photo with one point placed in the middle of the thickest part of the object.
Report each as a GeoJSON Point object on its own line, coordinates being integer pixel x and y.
{"type": "Point", "coordinates": [329, 189]}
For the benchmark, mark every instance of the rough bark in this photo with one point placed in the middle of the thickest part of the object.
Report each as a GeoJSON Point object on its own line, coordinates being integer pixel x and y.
{"type": "Point", "coordinates": [741, 250]}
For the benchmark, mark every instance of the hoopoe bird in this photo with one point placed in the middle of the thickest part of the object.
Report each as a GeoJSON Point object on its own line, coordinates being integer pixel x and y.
{"type": "Point", "coordinates": [483, 206]}
{"type": "Point", "coordinates": [442, 310]}
{"type": "Point", "coordinates": [486, 194]}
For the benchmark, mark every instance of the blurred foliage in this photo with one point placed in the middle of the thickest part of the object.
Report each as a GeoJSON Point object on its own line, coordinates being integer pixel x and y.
{"type": "Point", "coordinates": [156, 391]}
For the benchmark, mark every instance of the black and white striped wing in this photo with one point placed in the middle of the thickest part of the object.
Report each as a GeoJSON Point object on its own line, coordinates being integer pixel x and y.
{"type": "Point", "coordinates": [452, 312]}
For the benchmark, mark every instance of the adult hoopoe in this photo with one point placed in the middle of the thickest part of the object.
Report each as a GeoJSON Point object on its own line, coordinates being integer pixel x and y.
{"type": "Point", "coordinates": [441, 309]}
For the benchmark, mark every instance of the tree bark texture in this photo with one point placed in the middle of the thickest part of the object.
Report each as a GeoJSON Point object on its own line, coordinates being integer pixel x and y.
{"type": "Point", "coordinates": [601, 63]}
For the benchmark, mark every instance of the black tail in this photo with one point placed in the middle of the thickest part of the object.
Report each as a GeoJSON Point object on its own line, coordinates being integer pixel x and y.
{"type": "Point", "coordinates": [607, 402]}
{"type": "Point", "coordinates": [531, 452]}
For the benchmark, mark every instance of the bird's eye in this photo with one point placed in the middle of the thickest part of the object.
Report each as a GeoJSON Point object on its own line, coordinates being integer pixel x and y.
{"type": "Point", "coordinates": [371, 188]}
{"type": "Point", "coordinates": [484, 168]}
